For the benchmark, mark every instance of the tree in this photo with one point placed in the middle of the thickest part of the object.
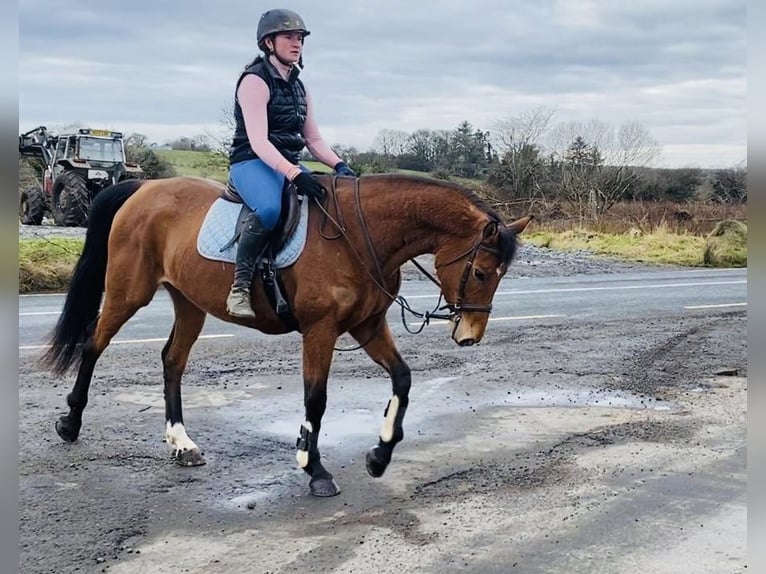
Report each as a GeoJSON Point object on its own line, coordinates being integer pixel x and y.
{"type": "Point", "coordinates": [517, 141]}
{"type": "Point", "coordinates": [466, 152]}
{"type": "Point", "coordinates": [600, 165]}
{"type": "Point", "coordinates": [729, 185]}
{"type": "Point", "coordinates": [517, 175]}
{"type": "Point", "coordinates": [421, 151]}
{"type": "Point", "coordinates": [664, 184]}
{"type": "Point", "coordinates": [390, 143]}
{"type": "Point", "coordinates": [579, 176]}
{"type": "Point", "coordinates": [139, 151]}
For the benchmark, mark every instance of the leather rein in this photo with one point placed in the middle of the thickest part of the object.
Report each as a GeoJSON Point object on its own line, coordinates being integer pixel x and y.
{"type": "Point", "coordinates": [455, 308]}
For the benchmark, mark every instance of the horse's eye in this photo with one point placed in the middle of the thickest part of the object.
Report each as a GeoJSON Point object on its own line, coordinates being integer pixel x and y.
{"type": "Point", "coordinates": [479, 274]}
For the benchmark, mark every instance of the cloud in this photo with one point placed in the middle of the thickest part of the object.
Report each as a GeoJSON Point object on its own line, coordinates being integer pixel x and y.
{"type": "Point", "coordinates": [678, 68]}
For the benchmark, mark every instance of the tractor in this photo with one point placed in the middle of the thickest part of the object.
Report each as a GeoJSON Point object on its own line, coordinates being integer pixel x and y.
{"type": "Point", "coordinates": [73, 167]}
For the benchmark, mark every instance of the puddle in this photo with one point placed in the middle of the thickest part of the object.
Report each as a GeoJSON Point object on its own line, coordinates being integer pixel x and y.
{"type": "Point", "coordinates": [584, 398]}
{"type": "Point", "coordinates": [192, 397]}
{"type": "Point", "coordinates": [349, 423]}
{"type": "Point", "coordinates": [354, 414]}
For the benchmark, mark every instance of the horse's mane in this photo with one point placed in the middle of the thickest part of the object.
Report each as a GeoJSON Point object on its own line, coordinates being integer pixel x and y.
{"type": "Point", "coordinates": [507, 245]}
{"type": "Point", "coordinates": [470, 195]}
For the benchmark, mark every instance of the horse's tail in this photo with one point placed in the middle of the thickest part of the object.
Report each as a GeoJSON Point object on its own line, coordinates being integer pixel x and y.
{"type": "Point", "coordinates": [86, 287]}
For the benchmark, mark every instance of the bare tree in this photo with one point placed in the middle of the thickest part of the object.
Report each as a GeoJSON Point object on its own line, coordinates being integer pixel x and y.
{"type": "Point", "coordinates": [391, 143]}
{"type": "Point", "coordinates": [220, 140]}
{"type": "Point", "coordinates": [525, 129]}
{"type": "Point", "coordinates": [517, 141]}
{"type": "Point", "coordinates": [599, 163]}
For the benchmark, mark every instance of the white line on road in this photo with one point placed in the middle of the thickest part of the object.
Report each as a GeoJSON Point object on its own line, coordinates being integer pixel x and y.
{"type": "Point", "coordinates": [610, 288]}
{"type": "Point", "coordinates": [516, 318]}
{"type": "Point", "coordinates": [716, 306]}
{"type": "Point", "coordinates": [28, 313]}
{"type": "Point", "coordinates": [129, 341]}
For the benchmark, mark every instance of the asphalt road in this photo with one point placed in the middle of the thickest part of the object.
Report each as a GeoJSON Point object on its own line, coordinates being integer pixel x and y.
{"type": "Point", "coordinates": [599, 427]}
{"type": "Point", "coordinates": [552, 299]}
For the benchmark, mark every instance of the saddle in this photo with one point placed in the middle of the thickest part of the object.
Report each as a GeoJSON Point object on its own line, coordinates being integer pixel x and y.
{"type": "Point", "coordinates": [281, 234]}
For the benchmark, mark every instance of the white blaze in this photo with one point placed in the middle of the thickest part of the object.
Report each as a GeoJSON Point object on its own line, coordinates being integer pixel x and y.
{"type": "Point", "coordinates": [387, 430]}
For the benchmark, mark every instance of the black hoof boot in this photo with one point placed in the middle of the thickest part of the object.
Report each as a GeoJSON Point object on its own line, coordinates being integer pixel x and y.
{"type": "Point", "coordinates": [377, 462]}
{"type": "Point", "coordinates": [323, 485]}
{"type": "Point", "coordinates": [67, 430]}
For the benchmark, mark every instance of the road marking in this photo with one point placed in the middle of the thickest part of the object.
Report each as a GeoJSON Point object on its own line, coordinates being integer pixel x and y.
{"type": "Point", "coordinates": [716, 306]}
{"type": "Point", "coordinates": [25, 295]}
{"type": "Point", "coordinates": [516, 318]}
{"type": "Point", "coordinates": [130, 341]}
{"type": "Point", "coordinates": [28, 313]}
{"type": "Point", "coordinates": [610, 288]}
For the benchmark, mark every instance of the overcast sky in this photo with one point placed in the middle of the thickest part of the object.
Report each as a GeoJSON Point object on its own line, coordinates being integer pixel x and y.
{"type": "Point", "coordinates": [167, 68]}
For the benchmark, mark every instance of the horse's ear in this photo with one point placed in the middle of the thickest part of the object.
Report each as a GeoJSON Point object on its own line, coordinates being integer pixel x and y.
{"type": "Point", "coordinates": [489, 230]}
{"type": "Point", "coordinates": [520, 224]}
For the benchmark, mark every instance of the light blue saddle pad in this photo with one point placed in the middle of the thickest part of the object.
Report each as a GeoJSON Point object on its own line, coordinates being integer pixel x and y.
{"type": "Point", "coordinates": [218, 229]}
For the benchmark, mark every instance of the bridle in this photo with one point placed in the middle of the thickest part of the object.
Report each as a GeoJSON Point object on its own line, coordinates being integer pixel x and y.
{"type": "Point", "coordinates": [456, 307]}
{"type": "Point", "coordinates": [459, 305]}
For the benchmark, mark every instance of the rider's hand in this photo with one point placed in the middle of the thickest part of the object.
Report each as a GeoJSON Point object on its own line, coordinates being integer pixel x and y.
{"type": "Point", "coordinates": [341, 168]}
{"type": "Point", "coordinates": [309, 186]}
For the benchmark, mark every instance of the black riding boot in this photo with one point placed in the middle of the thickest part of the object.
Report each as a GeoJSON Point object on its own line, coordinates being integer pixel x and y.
{"type": "Point", "coordinates": [251, 245]}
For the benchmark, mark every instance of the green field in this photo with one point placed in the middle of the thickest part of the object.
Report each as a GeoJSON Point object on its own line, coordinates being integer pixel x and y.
{"type": "Point", "coordinates": [210, 164]}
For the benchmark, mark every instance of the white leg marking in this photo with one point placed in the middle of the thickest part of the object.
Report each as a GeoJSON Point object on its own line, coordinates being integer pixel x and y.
{"type": "Point", "coordinates": [176, 436]}
{"type": "Point", "coordinates": [302, 456]}
{"type": "Point", "coordinates": [387, 431]}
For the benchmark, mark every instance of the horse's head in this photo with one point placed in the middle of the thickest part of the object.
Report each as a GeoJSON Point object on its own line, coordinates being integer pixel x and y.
{"type": "Point", "coordinates": [470, 271]}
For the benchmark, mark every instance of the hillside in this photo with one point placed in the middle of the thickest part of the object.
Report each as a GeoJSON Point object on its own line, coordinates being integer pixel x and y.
{"type": "Point", "coordinates": [209, 164]}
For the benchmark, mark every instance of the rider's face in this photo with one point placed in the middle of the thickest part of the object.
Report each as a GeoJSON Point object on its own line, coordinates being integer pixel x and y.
{"type": "Point", "coordinates": [288, 46]}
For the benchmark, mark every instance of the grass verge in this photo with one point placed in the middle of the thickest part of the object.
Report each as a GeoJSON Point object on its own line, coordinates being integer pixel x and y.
{"type": "Point", "coordinates": [47, 264]}
{"type": "Point", "coordinates": [658, 246]}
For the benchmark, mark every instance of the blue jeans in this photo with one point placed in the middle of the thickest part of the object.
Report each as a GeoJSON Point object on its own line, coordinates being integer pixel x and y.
{"type": "Point", "coordinates": [260, 188]}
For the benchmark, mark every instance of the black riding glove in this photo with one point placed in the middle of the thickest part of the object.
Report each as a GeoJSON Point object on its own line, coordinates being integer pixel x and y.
{"type": "Point", "coordinates": [341, 168]}
{"type": "Point", "coordinates": [309, 186]}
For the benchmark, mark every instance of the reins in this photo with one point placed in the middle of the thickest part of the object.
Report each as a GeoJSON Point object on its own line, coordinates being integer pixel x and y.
{"type": "Point", "coordinates": [426, 316]}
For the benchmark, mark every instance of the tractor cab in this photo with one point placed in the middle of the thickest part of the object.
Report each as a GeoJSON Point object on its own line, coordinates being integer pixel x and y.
{"type": "Point", "coordinates": [73, 167]}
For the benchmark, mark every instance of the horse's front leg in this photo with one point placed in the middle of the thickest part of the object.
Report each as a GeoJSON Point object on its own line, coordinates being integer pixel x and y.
{"type": "Point", "coordinates": [382, 350]}
{"type": "Point", "coordinates": [317, 356]}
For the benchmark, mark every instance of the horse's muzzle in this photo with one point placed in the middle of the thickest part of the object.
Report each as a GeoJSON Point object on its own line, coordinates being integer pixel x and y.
{"type": "Point", "coordinates": [466, 342]}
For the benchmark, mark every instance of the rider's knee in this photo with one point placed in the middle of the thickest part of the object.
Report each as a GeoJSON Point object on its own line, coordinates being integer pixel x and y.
{"type": "Point", "coordinates": [269, 216]}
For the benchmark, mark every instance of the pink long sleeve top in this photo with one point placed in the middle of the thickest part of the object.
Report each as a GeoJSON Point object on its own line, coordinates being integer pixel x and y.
{"type": "Point", "coordinates": [253, 96]}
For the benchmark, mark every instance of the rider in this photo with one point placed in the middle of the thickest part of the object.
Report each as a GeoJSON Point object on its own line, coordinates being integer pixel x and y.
{"type": "Point", "coordinates": [274, 121]}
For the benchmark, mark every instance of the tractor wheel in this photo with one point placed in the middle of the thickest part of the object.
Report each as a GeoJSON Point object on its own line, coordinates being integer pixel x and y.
{"type": "Point", "coordinates": [70, 201]}
{"type": "Point", "coordinates": [32, 206]}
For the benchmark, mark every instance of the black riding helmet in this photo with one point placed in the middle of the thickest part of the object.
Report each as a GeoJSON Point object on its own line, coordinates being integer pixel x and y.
{"type": "Point", "coordinates": [279, 20]}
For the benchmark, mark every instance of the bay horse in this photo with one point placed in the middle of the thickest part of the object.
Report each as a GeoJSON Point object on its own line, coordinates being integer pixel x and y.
{"type": "Point", "coordinates": [142, 234]}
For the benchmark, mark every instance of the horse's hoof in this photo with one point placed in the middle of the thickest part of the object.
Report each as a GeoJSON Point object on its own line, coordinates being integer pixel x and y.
{"type": "Point", "coordinates": [324, 487]}
{"type": "Point", "coordinates": [66, 429]}
{"type": "Point", "coordinates": [191, 457]}
{"type": "Point", "coordinates": [376, 465]}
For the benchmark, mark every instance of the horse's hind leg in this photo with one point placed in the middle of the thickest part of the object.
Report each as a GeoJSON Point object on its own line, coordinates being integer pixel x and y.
{"type": "Point", "coordinates": [68, 426]}
{"type": "Point", "coordinates": [120, 305]}
{"type": "Point", "coordinates": [186, 328]}
{"type": "Point", "coordinates": [381, 349]}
